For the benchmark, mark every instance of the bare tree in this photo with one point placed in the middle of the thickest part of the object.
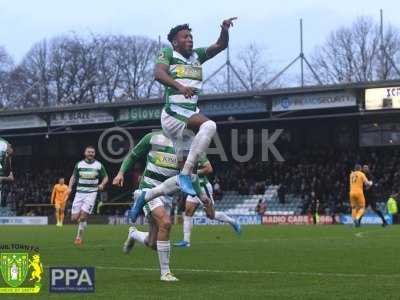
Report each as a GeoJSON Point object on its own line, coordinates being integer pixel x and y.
{"type": "Point", "coordinates": [71, 70]}
{"type": "Point", "coordinates": [136, 56]}
{"type": "Point", "coordinates": [251, 67]}
{"type": "Point", "coordinates": [81, 71]}
{"type": "Point", "coordinates": [28, 82]}
{"type": "Point", "coordinates": [6, 65]}
{"type": "Point", "coordinates": [351, 54]}
{"type": "Point", "coordinates": [108, 85]}
{"type": "Point", "coordinates": [59, 60]}
{"type": "Point", "coordinates": [389, 54]}
{"type": "Point", "coordinates": [74, 70]}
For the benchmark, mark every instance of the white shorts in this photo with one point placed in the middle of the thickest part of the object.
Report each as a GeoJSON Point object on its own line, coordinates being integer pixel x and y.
{"type": "Point", "coordinates": [165, 201]}
{"type": "Point", "coordinates": [177, 132]}
{"type": "Point", "coordinates": [84, 202]}
{"type": "Point", "coordinates": [208, 190]}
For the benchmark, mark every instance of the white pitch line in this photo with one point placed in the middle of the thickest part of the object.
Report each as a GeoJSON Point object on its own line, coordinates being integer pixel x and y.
{"type": "Point", "coordinates": [267, 240]}
{"type": "Point", "coordinates": [363, 233]}
{"type": "Point", "coordinates": [318, 274]}
{"type": "Point", "coordinates": [359, 234]}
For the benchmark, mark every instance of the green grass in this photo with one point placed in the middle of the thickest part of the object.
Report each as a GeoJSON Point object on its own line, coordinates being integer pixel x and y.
{"type": "Point", "coordinates": [278, 262]}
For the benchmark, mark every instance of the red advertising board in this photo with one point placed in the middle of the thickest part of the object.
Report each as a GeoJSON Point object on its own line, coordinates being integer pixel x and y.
{"type": "Point", "coordinates": [298, 219]}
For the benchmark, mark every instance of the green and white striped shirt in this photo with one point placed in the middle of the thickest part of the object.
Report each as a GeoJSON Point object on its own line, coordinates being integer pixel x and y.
{"type": "Point", "coordinates": [88, 175]}
{"type": "Point", "coordinates": [188, 72]}
{"type": "Point", "coordinates": [161, 163]}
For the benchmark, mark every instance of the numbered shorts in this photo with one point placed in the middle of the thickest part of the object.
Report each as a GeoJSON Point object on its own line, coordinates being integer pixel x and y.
{"type": "Point", "coordinates": [165, 201]}
{"type": "Point", "coordinates": [84, 202]}
{"type": "Point", "coordinates": [357, 199]}
{"type": "Point", "coordinates": [175, 129]}
{"type": "Point", "coordinates": [208, 190]}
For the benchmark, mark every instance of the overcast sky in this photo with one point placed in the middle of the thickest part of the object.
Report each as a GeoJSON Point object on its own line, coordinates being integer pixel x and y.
{"type": "Point", "coordinates": [272, 24]}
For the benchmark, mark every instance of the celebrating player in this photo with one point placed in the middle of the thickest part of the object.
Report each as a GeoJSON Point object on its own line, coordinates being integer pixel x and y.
{"type": "Point", "coordinates": [58, 199]}
{"type": "Point", "coordinates": [161, 165]}
{"type": "Point", "coordinates": [370, 196]}
{"type": "Point", "coordinates": [357, 199]}
{"type": "Point", "coordinates": [179, 70]}
{"type": "Point", "coordinates": [87, 174]}
{"type": "Point", "coordinates": [192, 203]}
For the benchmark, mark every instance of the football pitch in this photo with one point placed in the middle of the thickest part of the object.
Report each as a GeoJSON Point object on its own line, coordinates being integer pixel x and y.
{"type": "Point", "coordinates": [265, 262]}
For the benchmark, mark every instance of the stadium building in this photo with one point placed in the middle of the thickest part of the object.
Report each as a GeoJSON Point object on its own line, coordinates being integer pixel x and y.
{"type": "Point", "coordinates": [325, 130]}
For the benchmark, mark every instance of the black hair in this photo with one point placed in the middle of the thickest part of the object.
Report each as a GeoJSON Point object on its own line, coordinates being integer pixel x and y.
{"type": "Point", "coordinates": [173, 32]}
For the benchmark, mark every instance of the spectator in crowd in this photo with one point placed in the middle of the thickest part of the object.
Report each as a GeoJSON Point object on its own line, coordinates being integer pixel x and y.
{"type": "Point", "coordinates": [217, 190]}
{"type": "Point", "coordinates": [259, 188]}
{"type": "Point", "coordinates": [282, 193]}
{"type": "Point", "coordinates": [243, 187]}
{"type": "Point", "coordinates": [323, 172]}
{"type": "Point", "coordinates": [261, 207]}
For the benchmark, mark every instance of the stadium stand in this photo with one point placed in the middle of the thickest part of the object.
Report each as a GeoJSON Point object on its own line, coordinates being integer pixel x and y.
{"type": "Point", "coordinates": [6, 212]}
{"type": "Point", "coordinates": [286, 187]}
{"type": "Point", "coordinates": [235, 204]}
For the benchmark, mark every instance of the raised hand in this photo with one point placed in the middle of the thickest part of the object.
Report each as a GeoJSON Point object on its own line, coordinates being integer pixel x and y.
{"type": "Point", "coordinates": [228, 23]}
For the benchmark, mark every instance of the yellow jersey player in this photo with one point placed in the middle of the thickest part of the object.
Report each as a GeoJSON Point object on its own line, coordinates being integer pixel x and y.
{"type": "Point", "coordinates": [58, 199]}
{"type": "Point", "coordinates": [357, 199]}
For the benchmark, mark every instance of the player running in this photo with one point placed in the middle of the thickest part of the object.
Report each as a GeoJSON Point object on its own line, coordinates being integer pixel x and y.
{"type": "Point", "coordinates": [180, 70]}
{"type": "Point", "coordinates": [357, 199]}
{"type": "Point", "coordinates": [58, 199]}
{"type": "Point", "coordinates": [87, 175]}
{"type": "Point", "coordinates": [370, 196]}
{"type": "Point", "coordinates": [161, 165]}
{"type": "Point", "coordinates": [6, 174]}
{"type": "Point", "coordinates": [192, 203]}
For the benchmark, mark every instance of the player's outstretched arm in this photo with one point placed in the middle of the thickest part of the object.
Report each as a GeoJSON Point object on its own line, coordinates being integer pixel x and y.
{"type": "Point", "coordinates": [131, 158]}
{"type": "Point", "coordinates": [223, 39]}
{"type": "Point", "coordinates": [119, 179]}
